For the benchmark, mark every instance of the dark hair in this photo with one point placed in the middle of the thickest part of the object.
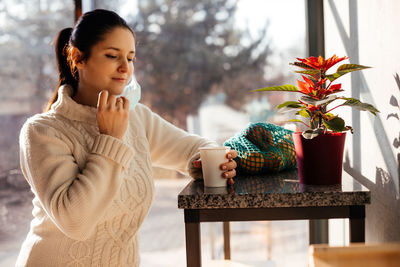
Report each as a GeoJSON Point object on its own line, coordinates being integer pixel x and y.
{"type": "Point", "coordinates": [89, 30]}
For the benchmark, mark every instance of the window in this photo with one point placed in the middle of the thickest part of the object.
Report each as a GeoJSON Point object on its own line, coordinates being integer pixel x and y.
{"type": "Point", "coordinates": [194, 58]}
{"type": "Point", "coordinates": [28, 76]}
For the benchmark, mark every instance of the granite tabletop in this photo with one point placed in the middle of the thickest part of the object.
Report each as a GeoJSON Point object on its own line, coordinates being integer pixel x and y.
{"type": "Point", "coordinates": [273, 190]}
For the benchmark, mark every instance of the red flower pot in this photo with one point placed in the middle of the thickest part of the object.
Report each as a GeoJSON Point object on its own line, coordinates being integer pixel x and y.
{"type": "Point", "coordinates": [319, 160]}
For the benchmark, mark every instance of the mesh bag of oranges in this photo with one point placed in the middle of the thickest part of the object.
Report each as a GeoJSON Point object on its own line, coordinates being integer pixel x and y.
{"type": "Point", "coordinates": [262, 148]}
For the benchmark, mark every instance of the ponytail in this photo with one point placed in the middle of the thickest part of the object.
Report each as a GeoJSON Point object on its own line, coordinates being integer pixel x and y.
{"type": "Point", "coordinates": [62, 49]}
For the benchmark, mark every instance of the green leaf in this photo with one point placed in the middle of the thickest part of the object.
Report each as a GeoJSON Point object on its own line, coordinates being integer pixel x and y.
{"type": "Point", "coordinates": [287, 87]}
{"type": "Point", "coordinates": [351, 67]}
{"type": "Point", "coordinates": [308, 72]}
{"type": "Point", "coordinates": [343, 69]}
{"type": "Point", "coordinates": [335, 124]}
{"type": "Point", "coordinates": [350, 128]}
{"type": "Point", "coordinates": [296, 120]}
{"type": "Point", "coordinates": [290, 104]}
{"type": "Point", "coordinates": [301, 65]}
{"type": "Point", "coordinates": [312, 101]}
{"type": "Point", "coordinates": [304, 113]}
{"type": "Point", "coordinates": [329, 115]}
{"type": "Point", "coordinates": [355, 103]}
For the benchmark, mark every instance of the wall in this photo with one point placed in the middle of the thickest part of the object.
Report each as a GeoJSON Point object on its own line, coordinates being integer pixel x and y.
{"type": "Point", "coordinates": [368, 31]}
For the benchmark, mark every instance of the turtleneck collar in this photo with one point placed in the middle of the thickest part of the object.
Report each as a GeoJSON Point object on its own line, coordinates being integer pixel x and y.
{"type": "Point", "coordinates": [72, 110]}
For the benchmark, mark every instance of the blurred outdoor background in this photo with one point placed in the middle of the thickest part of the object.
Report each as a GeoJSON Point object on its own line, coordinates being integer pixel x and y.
{"type": "Point", "coordinates": [196, 63]}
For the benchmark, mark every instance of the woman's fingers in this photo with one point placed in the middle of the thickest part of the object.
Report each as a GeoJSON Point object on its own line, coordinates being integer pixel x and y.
{"type": "Point", "coordinates": [112, 99]}
{"type": "Point", "coordinates": [112, 114]}
{"type": "Point", "coordinates": [126, 102]}
{"type": "Point", "coordinates": [231, 154]}
{"type": "Point", "coordinates": [230, 165]}
{"type": "Point", "coordinates": [229, 174]}
{"type": "Point", "coordinates": [197, 163]}
{"type": "Point", "coordinates": [119, 103]}
{"type": "Point", "coordinates": [102, 99]}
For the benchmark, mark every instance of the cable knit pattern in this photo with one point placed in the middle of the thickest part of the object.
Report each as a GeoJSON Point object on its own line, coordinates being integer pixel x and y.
{"type": "Point", "coordinates": [93, 191]}
{"type": "Point", "coordinates": [109, 145]}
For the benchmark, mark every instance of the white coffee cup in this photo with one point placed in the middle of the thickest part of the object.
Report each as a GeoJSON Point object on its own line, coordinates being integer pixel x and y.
{"type": "Point", "coordinates": [211, 160]}
{"type": "Point", "coordinates": [216, 190]}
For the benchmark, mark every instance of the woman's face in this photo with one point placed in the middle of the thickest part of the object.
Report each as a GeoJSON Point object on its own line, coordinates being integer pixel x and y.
{"type": "Point", "coordinates": [110, 65]}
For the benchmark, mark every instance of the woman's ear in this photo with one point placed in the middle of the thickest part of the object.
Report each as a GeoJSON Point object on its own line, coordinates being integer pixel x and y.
{"type": "Point", "coordinates": [77, 58]}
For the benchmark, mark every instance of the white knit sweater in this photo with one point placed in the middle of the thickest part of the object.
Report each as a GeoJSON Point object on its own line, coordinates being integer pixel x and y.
{"type": "Point", "coordinates": [93, 191]}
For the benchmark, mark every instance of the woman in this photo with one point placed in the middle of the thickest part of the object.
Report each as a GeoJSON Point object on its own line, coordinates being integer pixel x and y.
{"type": "Point", "coordinates": [88, 159]}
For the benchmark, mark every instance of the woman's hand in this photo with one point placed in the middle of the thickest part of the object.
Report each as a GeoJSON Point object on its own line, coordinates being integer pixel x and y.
{"type": "Point", "coordinates": [112, 114]}
{"type": "Point", "coordinates": [228, 167]}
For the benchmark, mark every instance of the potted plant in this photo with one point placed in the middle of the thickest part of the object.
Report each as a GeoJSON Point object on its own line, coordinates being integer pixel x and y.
{"type": "Point", "coordinates": [319, 149]}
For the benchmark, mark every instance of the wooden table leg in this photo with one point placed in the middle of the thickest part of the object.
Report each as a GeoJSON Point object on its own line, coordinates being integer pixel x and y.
{"type": "Point", "coordinates": [357, 230]}
{"type": "Point", "coordinates": [318, 232]}
{"type": "Point", "coordinates": [357, 224]}
{"type": "Point", "coordinates": [193, 244]}
{"type": "Point", "coordinates": [227, 241]}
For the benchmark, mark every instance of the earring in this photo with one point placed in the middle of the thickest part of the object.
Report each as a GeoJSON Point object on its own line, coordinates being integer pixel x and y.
{"type": "Point", "coordinates": [75, 74]}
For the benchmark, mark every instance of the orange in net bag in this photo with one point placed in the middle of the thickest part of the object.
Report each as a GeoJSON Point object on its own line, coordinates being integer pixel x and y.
{"type": "Point", "coordinates": [263, 148]}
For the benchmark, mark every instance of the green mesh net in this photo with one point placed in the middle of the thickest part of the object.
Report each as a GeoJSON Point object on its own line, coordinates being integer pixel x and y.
{"type": "Point", "coordinates": [262, 148]}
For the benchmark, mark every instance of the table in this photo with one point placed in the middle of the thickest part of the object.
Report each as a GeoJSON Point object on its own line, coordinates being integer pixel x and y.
{"type": "Point", "coordinates": [270, 197]}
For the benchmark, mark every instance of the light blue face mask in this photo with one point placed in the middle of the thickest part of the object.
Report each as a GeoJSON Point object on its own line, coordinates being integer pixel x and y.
{"type": "Point", "coordinates": [132, 91]}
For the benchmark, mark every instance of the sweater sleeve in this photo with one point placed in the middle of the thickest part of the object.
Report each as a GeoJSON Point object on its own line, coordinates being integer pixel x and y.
{"type": "Point", "coordinates": [172, 147]}
{"type": "Point", "coordinates": [75, 200]}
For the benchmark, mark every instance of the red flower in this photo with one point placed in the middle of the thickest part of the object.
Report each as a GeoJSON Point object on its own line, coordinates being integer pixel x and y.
{"type": "Point", "coordinates": [332, 89]}
{"type": "Point", "coordinates": [312, 108]}
{"type": "Point", "coordinates": [320, 63]}
{"type": "Point", "coordinates": [335, 87]}
{"type": "Point", "coordinates": [320, 83]}
{"type": "Point", "coordinates": [306, 87]}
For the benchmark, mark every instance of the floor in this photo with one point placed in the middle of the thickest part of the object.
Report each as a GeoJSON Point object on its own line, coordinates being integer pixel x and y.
{"type": "Point", "coordinates": [267, 244]}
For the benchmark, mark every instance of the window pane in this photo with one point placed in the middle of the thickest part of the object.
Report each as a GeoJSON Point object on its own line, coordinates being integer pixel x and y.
{"type": "Point", "coordinates": [28, 69]}
{"type": "Point", "coordinates": [197, 62]}
{"type": "Point", "coordinates": [28, 76]}
{"type": "Point", "coordinates": [202, 53]}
